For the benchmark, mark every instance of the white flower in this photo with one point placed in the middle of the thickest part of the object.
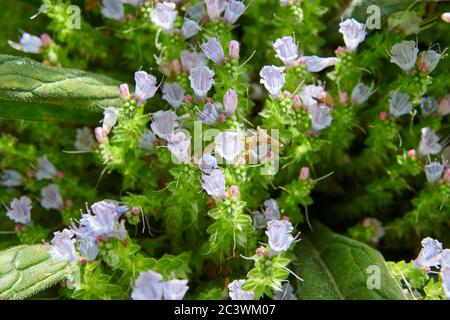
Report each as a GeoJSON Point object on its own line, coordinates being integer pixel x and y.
{"type": "Point", "coordinates": [430, 60]}
{"type": "Point", "coordinates": [404, 54]}
{"type": "Point", "coordinates": [429, 142]}
{"type": "Point", "coordinates": [51, 198]}
{"type": "Point", "coordinates": [236, 293]}
{"type": "Point", "coordinates": [310, 94]}
{"type": "Point", "coordinates": [88, 248]}
{"type": "Point", "coordinates": [145, 86]}
{"type": "Point", "coordinates": [430, 255]}
{"type": "Point", "coordinates": [45, 169]}
{"type": "Point", "coordinates": [11, 178]}
{"type": "Point", "coordinates": [429, 105]}
{"type": "Point", "coordinates": [164, 123]}
{"type": "Point", "coordinates": [317, 64]}
{"type": "Point", "coordinates": [215, 8]}
{"type": "Point", "coordinates": [207, 163]}
{"type": "Point", "coordinates": [286, 50]}
{"type": "Point", "coordinates": [149, 286]}
{"type": "Point", "coordinates": [84, 139]}
{"type": "Point", "coordinates": [28, 44]}
{"type": "Point", "coordinates": [233, 10]}
{"type": "Point", "coordinates": [214, 184]}
{"type": "Point", "coordinates": [201, 78]}
{"type": "Point", "coordinates": [173, 93]}
{"type": "Point", "coordinates": [179, 146]}
{"type": "Point", "coordinates": [433, 171]}
{"type": "Point", "coordinates": [175, 289]}
{"type": "Point", "coordinates": [229, 145]}
{"type": "Point", "coordinates": [444, 106]}
{"type": "Point", "coordinates": [320, 117]}
{"type": "Point", "coordinates": [63, 246]}
{"type": "Point", "coordinates": [213, 50]}
{"type": "Point", "coordinates": [230, 102]}
{"type": "Point", "coordinates": [105, 220]}
{"type": "Point", "coordinates": [271, 211]}
{"type": "Point", "coordinates": [113, 9]}
{"type": "Point", "coordinates": [354, 33]}
{"type": "Point", "coordinates": [361, 93]}
{"type": "Point", "coordinates": [20, 210]}
{"type": "Point", "coordinates": [279, 234]}
{"type": "Point", "coordinates": [164, 16]}
{"type": "Point", "coordinates": [190, 28]}
{"type": "Point", "coordinates": [110, 116]}
{"type": "Point", "coordinates": [445, 275]}
{"type": "Point", "coordinates": [273, 79]}
{"type": "Point", "coordinates": [399, 103]}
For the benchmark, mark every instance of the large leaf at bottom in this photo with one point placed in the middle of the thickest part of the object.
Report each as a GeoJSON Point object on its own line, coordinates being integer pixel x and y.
{"type": "Point", "coordinates": [33, 91]}
{"type": "Point", "coordinates": [335, 267]}
{"type": "Point", "coordinates": [26, 270]}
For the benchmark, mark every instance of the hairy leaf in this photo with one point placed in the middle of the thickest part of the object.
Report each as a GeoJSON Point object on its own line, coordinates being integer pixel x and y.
{"type": "Point", "coordinates": [32, 91]}
{"type": "Point", "coordinates": [336, 267]}
{"type": "Point", "coordinates": [26, 270]}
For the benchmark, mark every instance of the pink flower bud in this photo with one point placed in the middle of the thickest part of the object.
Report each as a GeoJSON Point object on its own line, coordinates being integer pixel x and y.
{"type": "Point", "coordinates": [222, 117]}
{"type": "Point", "coordinates": [124, 91]}
{"type": "Point", "coordinates": [230, 102]}
{"type": "Point", "coordinates": [30, 173]}
{"type": "Point", "coordinates": [339, 50]}
{"type": "Point", "coordinates": [261, 251]}
{"type": "Point", "coordinates": [129, 17]}
{"type": "Point", "coordinates": [343, 97]}
{"type": "Point", "coordinates": [446, 17]}
{"type": "Point", "coordinates": [46, 39]}
{"type": "Point", "coordinates": [297, 102]}
{"type": "Point", "coordinates": [60, 174]}
{"type": "Point", "coordinates": [411, 153]}
{"type": "Point", "coordinates": [285, 218]}
{"type": "Point", "coordinates": [308, 133]}
{"type": "Point", "coordinates": [225, 195]}
{"type": "Point", "coordinates": [383, 115]}
{"type": "Point", "coordinates": [188, 99]}
{"type": "Point", "coordinates": [446, 177]}
{"type": "Point", "coordinates": [366, 222]}
{"type": "Point", "coordinates": [304, 173]}
{"type": "Point", "coordinates": [135, 210]}
{"type": "Point", "coordinates": [233, 49]}
{"type": "Point", "coordinates": [176, 66]}
{"type": "Point", "coordinates": [18, 228]}
{"type": "Point", "coordinates": [68, 203]}
{"type": "Point", "coordinates": [100, 135]}
{"type": "Point", "coordinates": [234, 190]}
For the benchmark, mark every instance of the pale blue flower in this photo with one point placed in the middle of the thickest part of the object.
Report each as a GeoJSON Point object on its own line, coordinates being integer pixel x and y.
{"type": "Point", "coordinates": [11, 178]}
{"type": "Point", "coordinates": [45, 169]}
{"type": "Point", "coordinates": [110, 116]}
{"type": "Point", "coordinates": [404, 54]}
{"type": "Point", "coordinates": [429, 105]}
{"type": "Point", "coordinates": [215, 8]}
{"type": "Point", "coordinates": [113, 9]}
{"type": "Point", "coordinates": [51, 198]}
{"type": "Point", "coordinates": [236, 293]}
{"type": "Point", "coordinates": [164, 16]}
{"type": "Point", "coordinates": [190, 28]}
{"type": "Point", "coordinates": [445, 259]}
{"type": "Point", "coordinates": [147, 141]}
{"type": "Point", "coordinates": [311, 94]}
{"type": "Point", "coordinates": [286, 293]}
{"type": "Point", "coordinates": [179, 146]}
{"type": "Point", "coordinates": [214, 184]}
{"type": "Point", "coordinates": [430, 60]}
{"type": "Point", "coordinates": [272, 210]}
{"type": "Point", "coordinates": [201, 78]}
{"type": "Point", "coordinates": [230, 102]}
{"type": "Point", "coordinates": [361, 93]}
{"type": "Point", "coordinates": [175, 289]}
{"type": "Point", "coordinates": [149, 286]}
{"type": "Point", "coordinates": [63, 246]}
{"type": "Point", "coordinates": [429, 142]}
{"type": "Point", "coordinates": [433, 171]}
{"type": "Point", "coordinates": [173, 93]}
{"type": "Point", "coordinates": [145, 86]}
{"type": "Point", "coordinates": [233, 10]}
{"type": "Point", "coordinates": [28, 43]}
{"type": "Point", "coordinates": [213, 50]}
{"type": "Point", "coordinates": [317, 64]}
{"type": "Point", "coordinates": [286, 50]}
{"type": "Point", "coordinates": [105, 220]}
{"type": "Point", "coordinates": [88, 248]}
{"type": "Point", "coordinates": [445, 275]}
{"type": "Point", "coordinates": [273, 79]}
{"type": "Point", "coordinates": [320, 117]}
{"type": "Point", "coordinates": [399, 103]}
{"type": "Point", "coordinates": [84, 140]}
{"type": "Point", "coordinates": [196, 11]}
{"type": "Point", "coordinates": [207, 163]}
{"type": "Point", "coordinates": [164, 123]}
{"type": "Point", "coordinates": [229, 145]}
{"type": "Point", "coordinates": [279, 234]}
{"type": "Point", "coordinates": [20, 210]}
{"type": "Point", "coordinates": [353, 32]}
{"type": "Point", "coordinates": [430, 255]}
{"type": "Point", "coordinates": [211, 113]}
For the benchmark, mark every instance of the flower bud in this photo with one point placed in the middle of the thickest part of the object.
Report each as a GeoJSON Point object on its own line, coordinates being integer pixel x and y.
{"type": "Point", "coordinates": [233, 49]}
{"type": "Point", "coordinates": [124, 91]}
{"type": "Point", "coordinates": [343, 97]}
{"type": "Point", "coordinates": [261, 251]}
{"type": "Point", "coordinates": [383, 115]}
{"type": "Point", "coordinates": [297, 103]}
{"type": "Point", "coordinates": [234, 190]}
{"type": "Point", "coordinates": [230, 102]}
{"type": "Point", "coordinates": [175, 66]}
{"type": "Point", "coordinates": [446, 177]}
{"type": "Point", "coordinates": [100, 135]}
{"type": "Point", "coordinates": [446, 17]}
{"type": "Point", "coordinates": [304, 173]}
{"type": "Point", "coordinates": [46, 39]}
{"type": "Point", "coordinates": [411, 153]}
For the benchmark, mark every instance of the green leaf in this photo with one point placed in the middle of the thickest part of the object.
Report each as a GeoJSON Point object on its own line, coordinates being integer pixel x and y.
{"type": "Point", "coordinates": [33, 91]}
{"type": "Point", "coordinates": [26, 270]}
{"type": "Point", "coordinates": [336, 267]}
{"type": "Point", "coordinates": [358, 8]}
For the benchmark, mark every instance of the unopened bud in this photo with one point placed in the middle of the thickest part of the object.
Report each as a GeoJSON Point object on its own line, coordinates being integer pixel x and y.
{"type": "Point", "coordinates": [411, 153]}
{"type": "Point", "coordinates": [124, 91]}
{"type": "Point", "coordinates": [383, 115]}
{"type": "Point", "coordinates": [234, 190]}
{"type": "Point", "coordinates": [343, 97]}
{"type": "Point", "coordinates": [304, 173]}
{"type": "Point", "coordinates": [233, 49]}
{"type": "Point", "coordinates": [100, 135]}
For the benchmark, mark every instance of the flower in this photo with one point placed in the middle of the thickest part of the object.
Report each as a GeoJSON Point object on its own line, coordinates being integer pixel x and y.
{"type": "Point", "coordinates": [147, 141]}
{"type": "Point", "coordinates": [100, 135]}
{"type": "Point", "coordinates": [215, 8]}
{"type": "Point", "coordinates": [207, 163]}
{"type": "Point", "coordinates": [45, 169]}
{"type": "Point", "coordinates": [190, 28]}
{"type": "Point", "coordinates": [164, 123]}
{"type": "Point", "coordinates": [11, 178]}
{"type": "Point", "coordinates": [233, 49]}
{"type": "Point", "coordinates": [124, 91]}
{"type": "Point", "coordinates": [429, 142]}
{"type": "Point", "coordinates": [229, 145]}
{"type": "Point", "coordinates": [201, 78]}
{"type": "Point", "coordinates": [175, 289]}
{"type": "Point", "coordinates": [145, 86]}
{"type": "Point", "coordinates": [191, 60]}
{"type": "Point", "coordinates": [179, 146]}
{"type": "Point", "coordinates": [148, 286]}
{"type": "Point", "coordinates": [173, 93]}
{"type": "Point", "coordinates": [286, 293]}
{"type": "Point", "coordinates": [361, 93]}
{"type": "Point", "coordinates": [433, 171]}
{"type": "Point", "coordinates": [271, 211]}
{"type": "Point", "coordinates": [429, 105]}
{"type": "Point", "coordinates": [210, 113]}
{"type": "Point", "coordinates": [429, 60]}
{"type": "Point", "coordinates": [84, 139]}
{"type": "Point", "coordinates": [304, 173]}
{"type": "Point", "coordinates": [87, 246]}
{"type": "Point", "coordinates": [113, 9]}
{"type": "Point", "coordinates": [430, 255]}
{"type": "Point", "coordinates": [164, 16]}
{"type": "Point", "coordinates": [213, 50]}
{"type": "Point", "coordinates": [28, 43]}
{"type": "Point", "coordinates": [236, 293]}
{"type": "Point", "coordinates": [214, 184]}
{"type": "Point", "coordinates": [310, 94]}
{"type": "Point", "coordinates": [286, 50]}
{"type": "Point", "coordinates": [445, 273]}
{"type": "Point", "coordinates": [317, 64]}
{"type": "Point", "coordinates": [399, 103]}
{"type": "Point", "coordinates": [320, 117]}
{"type": "Point", "coordinates": [20, 210]}
{"type": "Point", "coordinates": [354, 33]}
{"type": "Point", "coordinates": [63, 246]}
{"type": "Point", "coordinates": [444, 106]}
{"type": "Point", "coordinates": [404, 54]}
{"type": "Point", "coordinates": [445, 259]}
{"type": "Point", "coordinates": [233, 10]}
{"type": "Point", "coordinates": [273, 79]}
{"type": "Point", "coordinates": [230, 101]}
{"type": "Point", "coordinates": [51, 198]}
{"type": "Point", "coordinates": [196, 11]}
{"type": "Point", "coordinates": [279, 234]}
{"type": "Point", "coordinates": [104, 222]}
{"type": "Point", "coordinates": [110, 116]}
